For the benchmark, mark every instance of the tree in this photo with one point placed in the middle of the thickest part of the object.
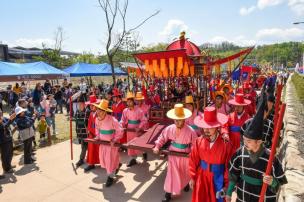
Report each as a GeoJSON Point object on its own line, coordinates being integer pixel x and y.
{"type": "Point", "coordinates": [52, 56]}
{"type": "Point", "coordinates": [115, 11]}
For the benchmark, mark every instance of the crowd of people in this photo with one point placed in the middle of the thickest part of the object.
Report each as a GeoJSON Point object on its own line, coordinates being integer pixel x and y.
{"type": "Point", "coordinates": [228, 141]}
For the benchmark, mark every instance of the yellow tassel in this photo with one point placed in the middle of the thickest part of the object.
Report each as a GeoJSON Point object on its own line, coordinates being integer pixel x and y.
{"type": "Point", "coordinates": [147, 65]}
{"type": "Point", "coordinates": [217, 69]}
{"type": "Point", "coordinates": [162, 65]}
{"type": "Point", "coordinates": [171, 66]}
{"type": "Point", "coordinates": [179, 66]}
{"type": "Point", "coordinates": [186, 69]}
{"type": "Point", "coordinates": [205, 70]}
{"type": "Point", "coordinates": [192, 70]}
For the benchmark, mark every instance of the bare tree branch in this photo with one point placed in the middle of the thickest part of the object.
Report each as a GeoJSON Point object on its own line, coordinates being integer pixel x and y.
{"type": "Point", "coordinates": [114, 41]}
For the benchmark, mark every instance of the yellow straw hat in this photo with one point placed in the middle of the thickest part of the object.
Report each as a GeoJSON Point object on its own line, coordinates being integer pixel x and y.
{"type": "Point", "coordinates": [189, 99]}
{"type": "Point", "coordinates": [130, 95]}
{"type": "Point", "coordinates": [139, 96]}
{"type": "Point", "coordinates": [179, 112]}
{"type": "Point", "coordinates": [103, 105]}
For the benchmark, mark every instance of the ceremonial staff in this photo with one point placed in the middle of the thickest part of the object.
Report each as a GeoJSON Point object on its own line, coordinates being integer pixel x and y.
{"type": "Point", "coordinates": [273, 149]}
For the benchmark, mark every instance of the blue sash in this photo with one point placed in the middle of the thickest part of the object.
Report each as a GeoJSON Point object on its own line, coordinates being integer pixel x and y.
{"type": "Point", "coordinates": [235, 129]}
{"type": "Point", "coordinates": [218, 175]}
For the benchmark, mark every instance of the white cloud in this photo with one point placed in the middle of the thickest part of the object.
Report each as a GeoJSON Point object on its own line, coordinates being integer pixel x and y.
{"type": "Point", "coordinates": [247, 11]}
{"type": "Point", "coordinates": [30, 43]}
{"type": "Point", "coordinates": [238, 40]}
{"type": "Point", "coordinates": [297, 6]}
{"type": "Point", "coordinates": [267, 3]}
{"type": "Point", "coordinates": [277, 34]}
{"type": "Point", "coordinates": [173, 29]}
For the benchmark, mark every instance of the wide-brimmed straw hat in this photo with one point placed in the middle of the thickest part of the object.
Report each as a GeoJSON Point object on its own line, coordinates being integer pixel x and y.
{"type": "Point", "coordinates": [179, 112]}
{"type": "Point", "coordinates": [139, 96]}
{"type": "Point", "coordinates": [130, 95]}
{"type": "Point", "coordinates": [210, 119]}
{"type": "Point", "coordinates": [239, 100]}
{"type": "Point", "coordinates": [220, 93]}
{"type": "Point", "coordinates": [103, 105]}
{"type": "Point", "coordinates": [227, 85]}
{"type": "Point", "coordinates": [92, 100]}
{"type": "Point", "coordinates": [189, 99]}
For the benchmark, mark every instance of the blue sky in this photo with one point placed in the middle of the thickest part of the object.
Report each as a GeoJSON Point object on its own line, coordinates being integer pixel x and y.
{"type": "Point", "coordinates": [30, 22]}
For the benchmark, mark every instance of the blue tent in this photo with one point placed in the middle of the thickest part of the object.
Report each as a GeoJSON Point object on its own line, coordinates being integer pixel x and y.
{"type": "Point", "coordinates": [29, 71]}
{"type": "Point", "coordinates": [85, 69]}
{"type": "Point", "coordinates": [107, 70]}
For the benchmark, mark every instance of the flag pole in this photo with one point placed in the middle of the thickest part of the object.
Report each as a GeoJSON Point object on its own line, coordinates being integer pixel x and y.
{"type": "Point", "coordinates": [71, 132]}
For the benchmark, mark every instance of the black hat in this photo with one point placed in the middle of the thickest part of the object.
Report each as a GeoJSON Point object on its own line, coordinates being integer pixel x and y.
{"type": "Point", "coordinates": [254, 129]}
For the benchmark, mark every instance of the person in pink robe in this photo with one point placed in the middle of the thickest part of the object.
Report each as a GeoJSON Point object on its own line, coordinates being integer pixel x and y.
{"type": "Point", "coordinates": [189, 104]}
{"type": "Point", "coordinates": [108, 129]}
{"type": "Point", "coordinates": [134, 120]}
{"type": "Point", "coordinates": [180, 136]}
{"type": "Point", "coordinates": [139, 98]}
{"type": "Point", "coordinates": [220, 103]}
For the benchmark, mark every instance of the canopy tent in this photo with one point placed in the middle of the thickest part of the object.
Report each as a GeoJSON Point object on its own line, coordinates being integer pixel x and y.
{"type": "Point", "coordinates": [29, 71]}
{"type": "Point", "coordinates": [84, 69]}
{"type": "Point", "coordinates": [107, 70]}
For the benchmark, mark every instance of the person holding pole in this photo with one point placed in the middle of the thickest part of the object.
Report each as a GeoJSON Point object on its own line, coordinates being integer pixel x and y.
{"type": "Point", "coordinates": [248, 165]}
{"type": "Point", "coordinates": [180, 138]}
{"type": "Point", "coordinates": [108, 129]}
{"type": "Point", "coordinates": [209, 157]}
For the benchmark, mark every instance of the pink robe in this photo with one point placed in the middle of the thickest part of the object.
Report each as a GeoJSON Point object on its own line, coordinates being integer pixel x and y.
{"type": "Point", "coordinates": [146, 110]}
{"type": "Point", "coordinates": [133, 119]}
{"type": "Point", "coordinates": [224, 109]}
{"type": "Point", "coordinates": [178, 167]}
{"type": "Point", "coordinates": [108, 129]}
{"type": "Point", "coordinates": [190, 122]}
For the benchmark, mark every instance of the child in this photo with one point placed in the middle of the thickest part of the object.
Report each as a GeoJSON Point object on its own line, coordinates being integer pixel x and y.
{"type": "Point", "coordinates": [53, 105]}
{"type": "Point", "coordinates": [42, 128]}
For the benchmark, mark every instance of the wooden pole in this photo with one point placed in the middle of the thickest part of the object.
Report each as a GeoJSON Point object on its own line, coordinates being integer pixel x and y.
{"type": "Point", "coordinates": [277, 103]}
{"type": "Point", "coordinates": [71, 133]}
{"type": "Point", "coordinates": [273, 149]}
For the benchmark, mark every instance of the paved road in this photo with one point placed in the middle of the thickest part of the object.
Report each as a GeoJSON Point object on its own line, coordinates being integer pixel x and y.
{"type": "Point", "coordinates": [52, 178]}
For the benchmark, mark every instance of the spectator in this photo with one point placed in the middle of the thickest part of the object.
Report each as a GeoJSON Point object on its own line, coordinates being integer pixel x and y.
{"type": "Point", "coordinates": [65, 83]}
{"type": "Point", "coordinates": [12, 98]}
{"type": "Point", "coordinates": [42, 128]}
{"type": "Point", "coordinates": [6, 143]}
{"type": "Point", "coordinates": [25, 127]}
{"type": "Point", "coordinates": [1, 105]}
{"type": "Point", "coordinates": [53, 104]}
{"type": "Point", "coordinates": [47, 87]}
{"type": "Point", "coordinates": [17, 89]}
{"type": "Point", "coordinates": [59, 98]}
{"type": "Point", "coordinates": [37, 95]}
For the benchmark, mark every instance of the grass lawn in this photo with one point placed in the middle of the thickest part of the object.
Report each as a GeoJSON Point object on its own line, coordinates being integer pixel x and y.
{"type": "Point", "coordinates": [298, 82]}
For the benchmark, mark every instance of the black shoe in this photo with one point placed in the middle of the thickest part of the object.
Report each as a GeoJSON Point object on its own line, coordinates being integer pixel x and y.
{"type": "Point", "coordinates": [109, 182]}
{"type": "Point", "coordinates": [88, 168]}
{"type": "Point", "coordinates": [2, 177]}
{"type": "Point", "coordinates": [145, 156]}
{"type": "Point", "coordinates": [29, 162]}
{"type": "Point", "coordinates": [132, 163]}
{"type": "Point", "coordinates": [79, 163]}
{"type": "Point", "coordinates": [10, 171]}
{"type": "Point", "coordinates": [167, 197]}
{"type": "Point", "coordinates": [187, 188]}
{"type": "Point", "coordinates": [116, 171]}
